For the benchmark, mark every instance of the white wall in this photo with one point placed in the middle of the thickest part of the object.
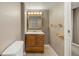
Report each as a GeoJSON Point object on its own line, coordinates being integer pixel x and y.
{"type": "Point", "coordinates": [40, 5]}
{"type": "Point", "coordinates": [10, 24]}
{"type": "Point", "coordinates": [57, 17]}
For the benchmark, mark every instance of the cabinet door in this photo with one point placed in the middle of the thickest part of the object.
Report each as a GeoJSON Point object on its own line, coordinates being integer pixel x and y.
{"type": "Point", "coordinates": [40, 40]}
{"type": "Point", "coordinates": [30, 40]}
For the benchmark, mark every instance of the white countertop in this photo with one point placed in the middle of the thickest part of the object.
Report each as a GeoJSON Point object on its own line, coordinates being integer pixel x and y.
{"type": "Point", "coordinates": [34, 33]}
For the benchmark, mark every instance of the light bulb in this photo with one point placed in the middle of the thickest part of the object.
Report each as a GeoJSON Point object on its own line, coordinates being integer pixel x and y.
{"type": "Point", "coordinates": [40, 12]}
{"type": "Point", "coordinates": [35, 12]}
{"type": "Point", "coordinates": [28, 12]}
{"type": "Point", "coordinates": [32, 13]}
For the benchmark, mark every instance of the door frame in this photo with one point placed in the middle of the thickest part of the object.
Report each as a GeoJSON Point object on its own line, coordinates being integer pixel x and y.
{"type": "Point", "coordinates": [67, 29]}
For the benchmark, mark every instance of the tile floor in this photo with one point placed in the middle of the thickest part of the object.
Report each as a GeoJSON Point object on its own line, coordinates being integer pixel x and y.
{"type": "Point", "coordinates": [48, 51]}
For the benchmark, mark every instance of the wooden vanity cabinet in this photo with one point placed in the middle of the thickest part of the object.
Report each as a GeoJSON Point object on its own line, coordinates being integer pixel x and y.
{"type": "Point", "coordinates": [34, 43]}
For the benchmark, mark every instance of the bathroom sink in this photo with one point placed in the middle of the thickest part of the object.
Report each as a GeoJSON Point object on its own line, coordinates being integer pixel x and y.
{"type": "Point", "coordinates": [32, 32]}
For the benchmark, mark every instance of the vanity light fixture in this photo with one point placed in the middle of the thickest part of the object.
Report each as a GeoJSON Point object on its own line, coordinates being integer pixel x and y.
{"type": "Point", "coordinates": [40, 12]}
{"type": "Point", "coordinates": [35, 13]}
{"type": "Point", "coordinates": [32, 13]}
{"type": "Point", "coordinates": [29, 13]}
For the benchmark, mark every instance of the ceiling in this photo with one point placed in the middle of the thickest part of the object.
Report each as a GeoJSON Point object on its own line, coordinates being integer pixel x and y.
{"type": "Point", "coordinates": [41, 5]}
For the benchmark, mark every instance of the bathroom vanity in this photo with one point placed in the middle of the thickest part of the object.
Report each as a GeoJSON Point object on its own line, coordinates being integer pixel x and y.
{"type": "Point", "coordinates": [34, 42]}
{"type": "Point", "coordinates": [34, 37]}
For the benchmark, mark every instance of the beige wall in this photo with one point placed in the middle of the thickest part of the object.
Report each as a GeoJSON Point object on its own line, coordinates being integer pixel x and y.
{"type": "Point", "coordinates": [10, 24]}
{"type": "Point", "coordinates": [57, 17]}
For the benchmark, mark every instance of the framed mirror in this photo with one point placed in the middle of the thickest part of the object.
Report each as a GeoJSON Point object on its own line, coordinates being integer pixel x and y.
{"type": "Point", "coordinates": [34, 21]}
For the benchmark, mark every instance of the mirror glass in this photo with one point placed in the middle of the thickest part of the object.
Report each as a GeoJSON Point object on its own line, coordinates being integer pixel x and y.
{"type": "Point", "coordinates": [34, 21]}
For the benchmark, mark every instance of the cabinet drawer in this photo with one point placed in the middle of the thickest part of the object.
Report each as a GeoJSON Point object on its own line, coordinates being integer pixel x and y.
{"type": "Point", "coordinates": [40, 43]}
{"type": "Point", "coordinates": [30, 40]}
{"type": "Point", "coordinates": [35, 49]}
{"type": "Point", "coordinates": [41, 36]}
{"type": "Point", "coordinates": [40, 39]}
